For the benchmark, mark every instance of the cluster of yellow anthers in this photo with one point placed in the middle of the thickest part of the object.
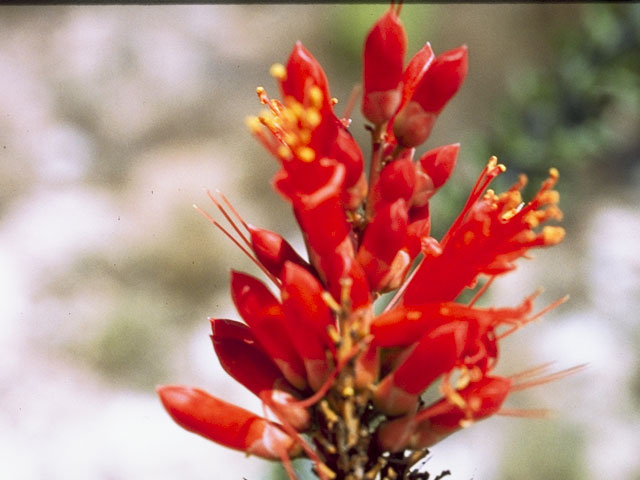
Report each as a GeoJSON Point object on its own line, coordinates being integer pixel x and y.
{"type": "Point", "coordinates": [291, 123]}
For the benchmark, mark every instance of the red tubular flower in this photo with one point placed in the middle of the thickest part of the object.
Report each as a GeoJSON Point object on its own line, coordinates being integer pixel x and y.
{"type": "Point", "coordinates": [226, 424]}
{"type": "Point", "coordinates": [242, 358]}
{"type": "Point", "coordinates": [439, 163]}
{"type": "Point", "coordinates": [476, 401]}
{"type": "Point", "coordinates": [307, 319]}
{"type": "Point", "coordinates": [384, 52]}
{"type": "Point", "coordinates": [316, 355]}
{"type": "Point", "coordinates": [273, 251]}
{"type": "Point", "coordinates": [263, 313]}
{"type": "Point", "coordinates": [382, 241]}
{"type": "Point", "coordinates": [490, 233]}
{"type": "Point", "coordinates": [439, 83]}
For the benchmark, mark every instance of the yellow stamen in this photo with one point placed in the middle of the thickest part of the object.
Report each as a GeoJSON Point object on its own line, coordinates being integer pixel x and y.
{"type": "Point", "coordinates": [316, 96]}
{"type": "Point", "coordinates": [278, 71]}
{"type": "Point", "coordinates": [312, 118]}
{"type": "Point", "coordinates": [552, 235]}
{"type": "Point", "coordinates": [253, 123]}
{"type": "Point", "coordinates": [306, 154]}
{"type": "Point", "coordinates": [284, 152]}
{"type": "Point", "coordinates": [330, 301]}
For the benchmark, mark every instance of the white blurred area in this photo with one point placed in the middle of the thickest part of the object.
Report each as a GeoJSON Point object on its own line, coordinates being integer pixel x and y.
{"type": "Point", "coordinates": [113, 122]}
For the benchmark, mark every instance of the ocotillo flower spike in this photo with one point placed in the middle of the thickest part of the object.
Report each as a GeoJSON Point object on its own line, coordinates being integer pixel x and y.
{"type": "Point", "coordinates": [310, 346]}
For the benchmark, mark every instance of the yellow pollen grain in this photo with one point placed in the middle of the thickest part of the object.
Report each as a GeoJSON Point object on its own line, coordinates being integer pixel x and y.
{"type": "Point", "coordinates": [413, 315]}
{"type": "Point", "coordinates": [316, 96]}
{"type": "Point", "coordinates": [550, 196]}
{"type": "Point", "coordinates": [552, 235]}
{"type": "Point", "coordinates": [532, 219]}
{"type": "Point", "coordinates": [312, 118]}
{"type": "Point", "coordinates": [291, 139]}
{"type": "Point", "coordinates": [493, 161]}
{"type": "Point", "coordinates": [262, 95]}
{"type": "Point", "coordinates": [278, 71]}
{"type": "Point", "coordinates": [253, 123]}
{"type": "Point", "coordinates": [553, 212]}
{"type": "Point", "coordinates": [306, 154]}
{"type": "Point", "coordinates": [333, 101]}
{"type": "Point", "coordinates": [284, 152]}
{"type": "Point", "coordinates": [289, 116]}
{"type": "Point", "coordinates": [305, 136]}
{"type": "Point", "coordinates": [553, 173]}
{"type": "Point", "coordinates": [348, 391]}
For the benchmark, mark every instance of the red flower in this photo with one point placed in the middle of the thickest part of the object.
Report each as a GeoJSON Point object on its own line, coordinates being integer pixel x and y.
{"type": "Point", "coordinates": [314, 352]}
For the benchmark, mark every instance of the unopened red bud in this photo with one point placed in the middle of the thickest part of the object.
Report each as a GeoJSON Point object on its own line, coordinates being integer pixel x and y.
{"type": "Point", "coordinates": [442, 80]}
{"type": "Point", "coordinates": [439, 163]}
{"type": "Point", "coordinates": [229, 425]}
{"type": "Point", "coordinates": [398, 180]}
{"type": "Point", "coordinates": [415, 120]}
{"type": "Point", "coordinates": [303, 71]}
{"type": "Point", "coordinates": [384, 52]}
{"type": "Point", "coordinates": [418, 66]}
{"type": "Point", "coordinates": [273, 251]}
{"type": "Point", "coordinates": [383, 238]}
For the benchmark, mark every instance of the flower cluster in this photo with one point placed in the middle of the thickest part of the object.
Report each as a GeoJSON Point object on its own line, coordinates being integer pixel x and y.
{"type": "Point", "coordinates": [342, 385]}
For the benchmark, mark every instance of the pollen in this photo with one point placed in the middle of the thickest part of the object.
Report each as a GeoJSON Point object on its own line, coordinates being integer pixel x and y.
{"type": "Point", "coordinates": [306, 154]}
{"type": "Point", "coordinates": [262, 95]}
{"type": "Point", "coordinates": [316, 96]}
{"type": "Point", "coordinates": [284, 152]}
{"type": "Point", "coordinates": [253, 123]}
{"type": "Point", "coordinates": [552, 235]}
{"type": "Point", "coordinates": [312, 118]}
{"type": "Point", "coordinates": [278, 72]}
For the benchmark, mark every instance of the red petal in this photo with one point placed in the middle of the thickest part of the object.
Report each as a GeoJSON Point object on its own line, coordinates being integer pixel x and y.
{"type": "Point", "coordinates": [263, 313]}
{"type": "Point", "coordinates": [226, 424]}
{"type": "Point", "coordinates": [384, 52]}
{"type": "Point", "coordinates": [303, 72]}
{"type": "Point", "coordinates": [439, 163]}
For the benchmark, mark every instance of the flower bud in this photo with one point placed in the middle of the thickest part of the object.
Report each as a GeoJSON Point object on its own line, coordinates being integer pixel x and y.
{"type": "Point", "coordinates": [303, 71]}
{"type": "Point", "coordinates": [384, 52]}
{"type": "Point", "coordinates": [440, 82]}
{"type": "Point", "coordinates": [439, 163]}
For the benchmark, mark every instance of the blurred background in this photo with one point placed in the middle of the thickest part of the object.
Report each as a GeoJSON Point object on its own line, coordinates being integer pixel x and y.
{"type": "Point", "coordinates": [114, 120]}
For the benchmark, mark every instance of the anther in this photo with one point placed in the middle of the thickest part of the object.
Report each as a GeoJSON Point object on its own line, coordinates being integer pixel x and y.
{"type": "Point", "coordinates": [316, 96]}
{"type": "Point", "coordinates": [306, 154]}
{"type": "Point", "coordinates": [253, 123]}
{"type": "Point", "coordinates": [278, 72]}
{"type": "Point", "coordinates": [552, 235]}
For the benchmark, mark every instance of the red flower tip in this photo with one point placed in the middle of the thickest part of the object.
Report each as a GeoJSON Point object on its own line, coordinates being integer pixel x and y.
{"type": "Point", "coordinates": [398, 180]}
{"type": "Point", "coordinates": [384, 52]}
{"type": "Point", "coordinates": [272, 250]}
{"type": "Point", "coordinates": [439, 163]}
{"type": "Point", "coordinates": [303, 72]}
{"type": "Point", "coordinates": [438, 84]}
{"type": "Point", "coordinates": [234, 427]}
{"type": "Point", "coordinates": [442, 80]}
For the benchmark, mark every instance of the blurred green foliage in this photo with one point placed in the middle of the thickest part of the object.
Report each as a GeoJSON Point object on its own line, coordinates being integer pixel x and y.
{"type": "Point", "coordinates": [580, 112]}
